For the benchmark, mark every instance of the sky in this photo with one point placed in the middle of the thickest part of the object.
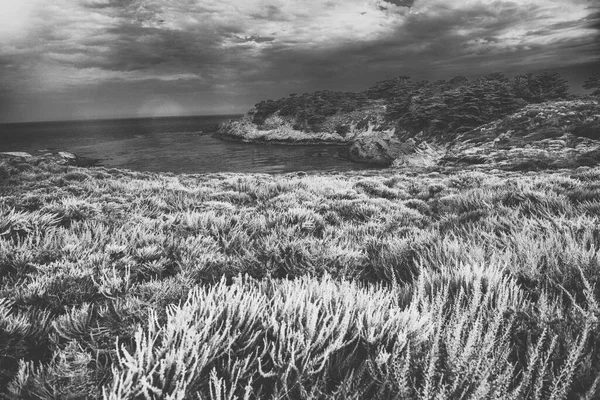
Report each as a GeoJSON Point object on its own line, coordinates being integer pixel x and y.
{"type": "Point", "coordinates": [81, 59]}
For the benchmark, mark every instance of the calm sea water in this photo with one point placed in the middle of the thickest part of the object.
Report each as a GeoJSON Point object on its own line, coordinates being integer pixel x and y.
{"type": "Point", "coordinates": [181, 144]}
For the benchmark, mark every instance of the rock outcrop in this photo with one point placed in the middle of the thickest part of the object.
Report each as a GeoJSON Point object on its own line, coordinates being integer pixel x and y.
{"type": "Point", "coordinates": [61, 157]}
{"type": "Point", "coordinates": [377, 148]}
{"type": "Point", "coordinates": [276, 130]}
{"type": "Point", "coordinates": [365, 131]}
{"type": "Point", "coordinates": [338, 128]}
{"type": "Point", "coordinates": [559, 134]}
{"type": "Point", "coordinates": [546, 135]}
{"type": "Point", "coordinates": [421, 155]}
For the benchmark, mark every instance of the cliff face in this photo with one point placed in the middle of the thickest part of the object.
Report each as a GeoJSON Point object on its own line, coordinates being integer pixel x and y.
{"type": "Point", "coordinates": [367, 132]}
{"type": "Point", "coordinates": [276, 130]}
{"type": "Point", "coordinates": [60, 158]}
{"type": "Point", "coordinates": [339, 128]}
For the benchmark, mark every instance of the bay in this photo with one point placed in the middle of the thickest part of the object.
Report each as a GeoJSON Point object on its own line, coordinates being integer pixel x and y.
{"type": "Point", "coordinates": [169, 144]}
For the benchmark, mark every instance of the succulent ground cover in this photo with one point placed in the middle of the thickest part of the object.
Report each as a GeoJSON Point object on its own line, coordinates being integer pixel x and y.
{"type": "Point", "coordinates": [400, 284]}
{"type": "Point", "coordinates": [548, 135]}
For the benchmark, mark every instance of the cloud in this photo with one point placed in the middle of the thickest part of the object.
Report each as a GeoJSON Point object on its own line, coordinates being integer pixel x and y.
{"type": "Point", "coordinates": [246, 49]}
{"type": "Point", "coordinates": [475, 36]}
{"type": "Point", "coordinates": [14, 17]}
{"type": "Point", "coordinates": [256, 39]}
{"type": "Point", "coordinates": [401, 3]}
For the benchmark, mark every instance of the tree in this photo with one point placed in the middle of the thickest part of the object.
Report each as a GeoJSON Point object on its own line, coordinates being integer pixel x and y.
{"type": "Point", "coordinates": [520, 85]}
{"type": "Point", "coordinates": [496, 76]}
{"type": "Point", "coordinates": [593, 83]}
{"type": "Point", "coordinates": [458, 80]}
{"type": "Point", "coordinates": [542, 87]}
{"type": "Point", "coordinates": [391, 88]}
{"type": "Point", "coordinates": [552, 86]}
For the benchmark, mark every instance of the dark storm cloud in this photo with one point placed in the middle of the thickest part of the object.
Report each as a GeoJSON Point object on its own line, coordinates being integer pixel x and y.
{"type": "Point", "coordinates": [593, 20]}
{"type": "Point", "coordinates": [458, 41]}
{"type": "Point", "coordinates": [237, 53]}
{"type": "Point", "coordinates": [401, 3]}
{"type": "Point", "coordinates": [257, 39]}
{"type": "Point", "coordinates": [270, 13]}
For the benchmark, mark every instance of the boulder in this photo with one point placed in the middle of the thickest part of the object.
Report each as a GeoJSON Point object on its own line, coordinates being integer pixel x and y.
{"type": "Point", "coordinates": [422, 155]}
{"type": "Point", "coordinates": [378, 148]}
{"type": "Point", "coordinates": [67, 156]}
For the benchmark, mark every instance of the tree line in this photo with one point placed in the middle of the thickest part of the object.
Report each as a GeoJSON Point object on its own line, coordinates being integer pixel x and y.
{"type": "Point", "coordinates": [442, 107]}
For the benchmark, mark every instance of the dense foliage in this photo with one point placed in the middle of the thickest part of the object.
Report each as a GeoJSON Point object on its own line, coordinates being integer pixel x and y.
{"type": "Point", "coordinates": [458, 105]}
{"type": "Point", "coordinates": [593, 83]}
{"type": "Point", "coordinates": [440, 108]}
{"type": "Point", "coordinates": [310, 110]}
{"type": "Point", "coordinates": [470, 285]}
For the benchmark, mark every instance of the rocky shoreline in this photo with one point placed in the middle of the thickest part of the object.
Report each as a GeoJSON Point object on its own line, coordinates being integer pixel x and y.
{"type": "Point", "coordinates": [369, 144]}
{"type": "Point", "coordinates": [60, 157]}
{"type": "Point", "coordinates": [559, 134]}
{"type": "Point", "coordinates": [551, 135]}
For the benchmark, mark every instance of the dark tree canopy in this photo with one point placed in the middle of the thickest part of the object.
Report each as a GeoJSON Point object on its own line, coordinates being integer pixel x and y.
{"type": "Point", "coordinates": [309, 110]}
{"type": "Point", "coordinates": [443, 107]}
{"type": "Point", "coordinates": [542, 87]}
{"type": "Point", "coordinates": [593, 83]}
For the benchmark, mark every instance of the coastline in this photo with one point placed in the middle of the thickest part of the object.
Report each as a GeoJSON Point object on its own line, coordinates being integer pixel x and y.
{"type": "Point", "coordinates": [364, 146]}
{"type": "Point", "coordinates": [553, 134]}
{"type": "Point", "coordinates": [345, 147]}
{"type": "Point", "coordinates": [284, 142]}
{"type": "Point", "coordinates": [60, 157]}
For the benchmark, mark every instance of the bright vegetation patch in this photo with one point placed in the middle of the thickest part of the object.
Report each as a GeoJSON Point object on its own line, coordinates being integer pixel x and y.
{"type": "Point", "coordinates": [468, 285]}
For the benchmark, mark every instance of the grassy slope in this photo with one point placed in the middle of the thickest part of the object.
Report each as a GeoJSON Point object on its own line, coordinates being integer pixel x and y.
{"type": "Point", "coordinates": [464, 285]}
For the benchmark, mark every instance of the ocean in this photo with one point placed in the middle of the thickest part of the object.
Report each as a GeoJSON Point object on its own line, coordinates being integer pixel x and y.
{"type": "Point", "coordinates": [168, 144]}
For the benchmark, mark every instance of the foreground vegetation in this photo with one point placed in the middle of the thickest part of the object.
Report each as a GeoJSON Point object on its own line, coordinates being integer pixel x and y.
{"type": "Point", "coordinates": [437, 284]}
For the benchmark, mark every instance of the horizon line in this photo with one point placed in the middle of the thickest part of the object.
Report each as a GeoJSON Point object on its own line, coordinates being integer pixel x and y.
{"type": "Point", "coordinates": [117, 118]}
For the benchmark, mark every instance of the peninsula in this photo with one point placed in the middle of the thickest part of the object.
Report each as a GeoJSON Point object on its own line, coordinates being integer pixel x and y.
{"type": "Point", "coordinates": [406, 122]}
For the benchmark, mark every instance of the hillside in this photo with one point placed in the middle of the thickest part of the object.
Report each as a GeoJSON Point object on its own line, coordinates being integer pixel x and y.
{"type": "Point", "coordinates": [392, 118]}
{"type": "Point", "coordinates": [562, 134]}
